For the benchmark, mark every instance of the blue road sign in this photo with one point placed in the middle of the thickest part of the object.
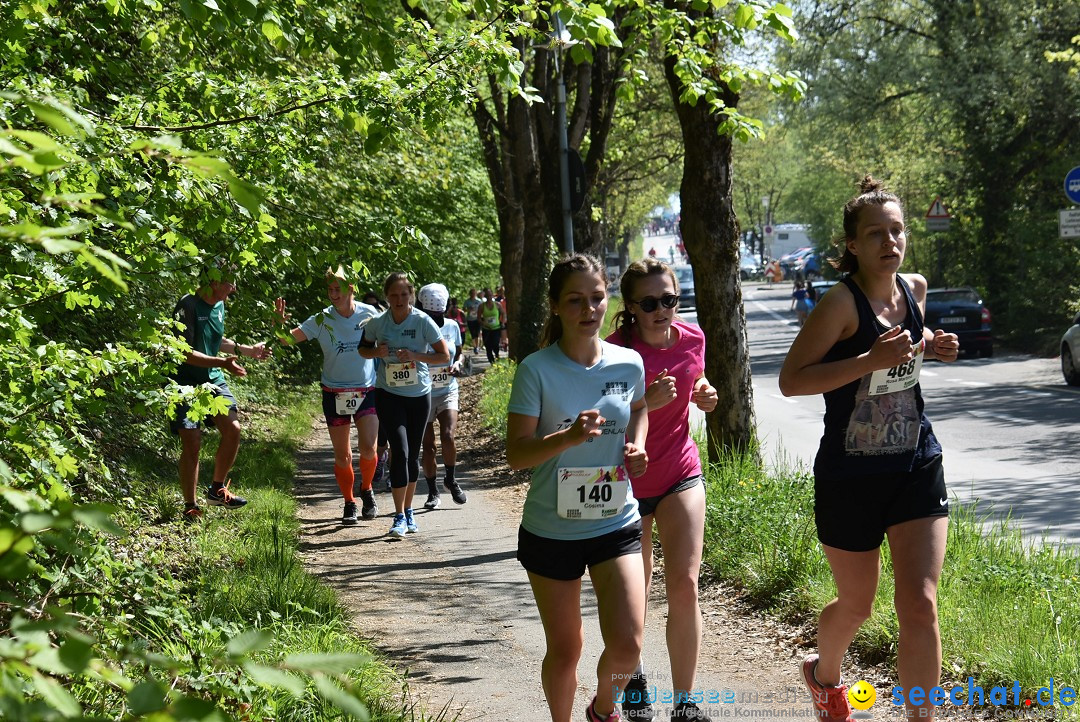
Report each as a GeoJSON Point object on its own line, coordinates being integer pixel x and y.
{"type": "Point", "coordinates": [1072, 184]}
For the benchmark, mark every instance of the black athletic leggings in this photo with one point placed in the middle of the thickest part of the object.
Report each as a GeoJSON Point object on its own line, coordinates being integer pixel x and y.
{"type": "Point", "coordinates": [492, 341]}
{"type": "Point", "coordinates": [404, 419]}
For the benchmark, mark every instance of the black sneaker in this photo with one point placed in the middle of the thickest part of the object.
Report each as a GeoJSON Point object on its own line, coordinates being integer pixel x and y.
{"type": "Point", "coordinates": [456, 492]}
{"type": "Point", "coordinates": [432, 502]}
{"type": "Point", "coordinates": [371, 509]}
{"type": "Point", "coordinates": [224, 497]}
{"type": "Point", "coordinates": [636, 706]}
{"type": "Point", "coordinates": [381, 472]}
{"type": "Point", "coordinates": [349, 515]}
{"type": "Point", "coordinates": [688, 712]}
{"type": "Point", "coordinates": [192, 514]}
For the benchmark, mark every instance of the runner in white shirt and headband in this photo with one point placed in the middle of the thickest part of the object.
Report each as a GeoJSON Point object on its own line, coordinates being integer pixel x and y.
{"type": "Point", "coordinates": [444, 399]}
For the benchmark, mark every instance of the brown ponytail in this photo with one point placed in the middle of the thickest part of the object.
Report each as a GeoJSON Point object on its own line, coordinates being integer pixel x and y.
{"type": "Point", "coordinates": [871, 193]}
{"type": "Point", "coordinates": [567, 265]}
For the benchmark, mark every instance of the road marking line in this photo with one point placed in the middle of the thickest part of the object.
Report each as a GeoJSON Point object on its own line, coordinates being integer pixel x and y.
{"type": "Point", "coordinates": [924, 372]}
{"type": "Point", "coordinates": [774, 314]}
{"type": "Point", "coordinates": [992, 415]}
{"type": "Point", "coordinates": [784, 398]}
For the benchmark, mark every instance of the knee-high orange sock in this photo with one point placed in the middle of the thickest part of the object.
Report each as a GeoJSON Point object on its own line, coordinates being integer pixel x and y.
{"type": "Point", "coordinates": [367, 471]}
{"type": "Point", "coordinates": [345, 478]}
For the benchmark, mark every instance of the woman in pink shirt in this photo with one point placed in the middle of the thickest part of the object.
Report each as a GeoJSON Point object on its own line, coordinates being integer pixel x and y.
{"type": "Point", "coordinates": [672, 490]}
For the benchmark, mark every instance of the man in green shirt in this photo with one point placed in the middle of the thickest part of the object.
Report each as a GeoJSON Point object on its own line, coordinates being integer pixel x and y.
{"type": "Point", "coordinates": [203, 318]}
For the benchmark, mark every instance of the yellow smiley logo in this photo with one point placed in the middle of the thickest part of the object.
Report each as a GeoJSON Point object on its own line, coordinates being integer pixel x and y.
{"type": "Point", "coordinates": [862, 695]}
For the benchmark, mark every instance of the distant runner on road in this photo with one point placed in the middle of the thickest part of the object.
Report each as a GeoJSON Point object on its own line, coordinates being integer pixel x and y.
{"type": "Point", "coordinates": [472, 319]}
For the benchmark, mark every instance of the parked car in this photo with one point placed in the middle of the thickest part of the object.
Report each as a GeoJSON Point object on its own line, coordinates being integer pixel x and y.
{"type": "Point", "coordinates": [961, 311]}
{"type": "Point", "coordinates": [822, 287]}
{"type": "Point", "coordinates": [1070, 353]}
{"type": "Point", "coordinates": [789, 262]}
{"type": "Point", "coordinates": [749, 266]}
{"type": "Point", "coordinates": [685, 275]}
{"type": "Point", "coordinates": [809, 266]}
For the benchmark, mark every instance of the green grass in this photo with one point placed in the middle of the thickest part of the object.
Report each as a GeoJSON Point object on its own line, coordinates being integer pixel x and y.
{"type": "Point", "coordinates": [241, 570]}
{"type": "Point", "coordinates": [1008, 610]}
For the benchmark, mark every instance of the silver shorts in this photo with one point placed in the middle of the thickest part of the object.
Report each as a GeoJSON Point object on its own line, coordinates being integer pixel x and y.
{"type": "Point", "coordinates": [443, 402]}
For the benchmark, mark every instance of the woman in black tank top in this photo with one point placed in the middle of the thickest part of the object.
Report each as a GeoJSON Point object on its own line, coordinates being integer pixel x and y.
{"type": "Point", "coordinates": [878, 470]}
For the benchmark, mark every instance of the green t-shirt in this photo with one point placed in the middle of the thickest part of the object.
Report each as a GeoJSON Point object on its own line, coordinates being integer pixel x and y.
{"type": "Point", "coordinates": [204, 327]}
{"type": "Point", "coordinates": [490, 316]}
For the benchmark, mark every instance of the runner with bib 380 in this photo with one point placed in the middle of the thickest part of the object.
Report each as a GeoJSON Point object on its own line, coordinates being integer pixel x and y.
{"type": "Point", "coordinates": [400, 338]}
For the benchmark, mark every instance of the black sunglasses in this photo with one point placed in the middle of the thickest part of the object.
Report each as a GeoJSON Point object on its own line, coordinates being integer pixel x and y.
{"type": "Point", "coordinates": [649, 304]}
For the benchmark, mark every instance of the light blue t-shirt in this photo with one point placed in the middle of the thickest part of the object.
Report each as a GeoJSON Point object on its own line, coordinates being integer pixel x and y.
{"type": "Point", "coordinates": [416, 333]}
{"type": "Point", "coordinates": [451, 333]}
{"type": "Point", "coordinates": [343, 367]}
{"type": "Point", "coordinates": [554, 389]}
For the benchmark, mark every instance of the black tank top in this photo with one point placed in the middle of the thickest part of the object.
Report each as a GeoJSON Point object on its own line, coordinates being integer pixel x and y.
{"type": "Point", "coordinates": [868, 434]}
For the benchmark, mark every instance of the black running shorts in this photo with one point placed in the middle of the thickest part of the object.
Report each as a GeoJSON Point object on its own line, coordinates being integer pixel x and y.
{"type": "Point", "coordinates": [853, 514]}
{"type": "Point", "coordinates": [566, 559]}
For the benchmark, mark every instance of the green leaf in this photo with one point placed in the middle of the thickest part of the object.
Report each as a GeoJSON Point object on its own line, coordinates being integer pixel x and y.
{"type": "Point", "coordinates": [249, 641]}
{"type": "Point", "coordinates": [109, 272]}
{"type": "Point", "coordinates": [146, 697]}
{"type": "Point", "coordinates": [97, 516]}
{"type": "Point", "coordinates": [75, 654]}
{"type": "Point", "coordinates": [271, 30]}
{"type": "Point", "coordinates": [328, 663]}
{"type": "Point", "coordinates": [56, 696]}
{"type": "Point", "coordinates": [192, 708]}
{"type": "Point", "coordinates": [58, 245]}
{"type": "Point", "coordinates": [744, 17]}
{"type": "Point", "coordinates": [276, 678]}
{"type": "Point", "coordinates": [35, 522]}
{"type": "Point", "coordinates": [247, 195]}
{"type": "Point", "coordinates": [52, 118]}
{"type": "Point", "coordinates": [343, 700]}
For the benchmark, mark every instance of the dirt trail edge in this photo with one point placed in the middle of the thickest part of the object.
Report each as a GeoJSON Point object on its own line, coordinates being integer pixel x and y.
{"type": "Point", "coordinates": [452, 608]}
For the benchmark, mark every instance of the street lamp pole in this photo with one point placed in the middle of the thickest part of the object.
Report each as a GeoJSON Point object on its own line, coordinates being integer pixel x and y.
{"type": "Point", "coordinates": [561, 37]}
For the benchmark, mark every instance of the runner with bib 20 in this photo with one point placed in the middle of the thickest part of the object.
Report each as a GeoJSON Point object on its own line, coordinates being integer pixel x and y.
{"type": "Point", "coordinates": [878, 471]}
{"type": "Point", "coordinates": [577, 416]}
{"type": "Point", "coordinates": [348, 386]}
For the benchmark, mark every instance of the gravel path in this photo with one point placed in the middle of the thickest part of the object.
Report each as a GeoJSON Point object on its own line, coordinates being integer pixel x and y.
{"type": "Point", "coordinates": [452, 609]}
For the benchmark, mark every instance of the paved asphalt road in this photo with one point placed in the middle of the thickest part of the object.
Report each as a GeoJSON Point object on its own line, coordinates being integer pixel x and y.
{"type": "Point", "coordinates": [1009, 425]}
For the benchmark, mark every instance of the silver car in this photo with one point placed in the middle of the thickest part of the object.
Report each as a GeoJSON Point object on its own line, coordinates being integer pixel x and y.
{"type": "Point", "coordinates": [1070, 353]}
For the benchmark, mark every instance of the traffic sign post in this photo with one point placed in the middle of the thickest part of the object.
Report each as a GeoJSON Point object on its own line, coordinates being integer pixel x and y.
{"type": "Point", "coordinates": [937, 218]}
{"type": "Point", "coordinates": [1069, 223]}
{"type": "Point", "coordinates": [1072, 185]}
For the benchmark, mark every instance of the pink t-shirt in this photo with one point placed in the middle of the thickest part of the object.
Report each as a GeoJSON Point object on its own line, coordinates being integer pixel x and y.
{"type": "Point", "coordinates": [673, 455]}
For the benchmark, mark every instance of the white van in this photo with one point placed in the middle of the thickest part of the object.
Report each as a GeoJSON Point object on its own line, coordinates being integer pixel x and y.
{"type": "Point", "coordinates": [787, 237]}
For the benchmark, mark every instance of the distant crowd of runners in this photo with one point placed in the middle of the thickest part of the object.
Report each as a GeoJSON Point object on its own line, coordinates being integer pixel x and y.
{"type": "Point", "coordinates": [604, 425]}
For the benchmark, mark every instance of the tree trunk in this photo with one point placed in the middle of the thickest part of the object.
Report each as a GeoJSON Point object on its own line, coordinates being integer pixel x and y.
{"type": "Point", "coordinates": [710, 232]}
{"type": "Point", "coordinates": [527, 319]}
